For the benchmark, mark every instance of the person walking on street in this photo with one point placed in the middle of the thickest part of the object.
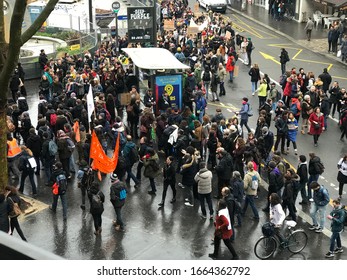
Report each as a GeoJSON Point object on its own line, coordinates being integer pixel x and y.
{"type": "Point", "coordinates": [316, 121]}
{"type": "Point", "coordinates": [308, 28]}
{"type": "Point", "coordinates": [252, 181]}
{"type": "Point", "coordinates": [243, 113]}
{"type": "Point", "coordinates": [12, 198]}
{"type": "Point", "coordinates": [320, 201]}
{"type": "Point", "coordinates": [130, 154]}
{"type": "Point", "coordinates": [284, 58]}
{"type": "Point", "coordinates": [4, 221]}
{"type": "Point", "coordinates": [238, 193]}
{"type": "Point", "coordinates": [59, 182]}
{"type": "Point", "coordinates": [152, 169]}
{"type": "Point", "coordinates": [249, 49]}
{"type": "Point", "coordinates": [118, 194]}
{"type": "Point", "coordinates": [85, 177]}
{"type": "Point", "coordinates": [314, 170]}
{"type": "Point", "coordinates": [303, 174]}
{"type": "Point", "coordinates": [342, 174]}
{"type": "Point", "coordinates": [224, 170]}
{"type": "Point", "coordinates": [222, 73]}
{"type": "Point", "coordinates": [330, 38]}
{"type": "Point", "coordinates": [204, 180]}
{"type": "Point", "coordinates": [96, 199]}
{"type": "Point", "coordinates": [254, 72]}
{"type": "Point", "coordinates": [169, 174]}
{"type": "Point", "coordinates": [282, 130]}
{"type": "Point", "coordinates": [230, 67]}
{"type": "Point", "coordinates": [25, 167]}
{"type": "Point", "coordinates": [223, 231]}
{"type": "Point", "coordinates": [337, 217]}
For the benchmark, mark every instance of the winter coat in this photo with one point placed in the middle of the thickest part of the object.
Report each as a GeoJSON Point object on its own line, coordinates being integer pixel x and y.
{"type": "Point", "coordinates": [292, 129]}
{"type": "Point", "coordinates": [169, 174]}
{"type": "Point", "coordinates": [262, 90]}
{"type": "Point", "coordinates": [337, 222]}
{"type": "Point", "coordinates": [319, 119]}
{"type": "Point", "coordinates": [275, 180]}
{"type": "Point", "coordinates": [115, 189]}
{"type": "Point", "coordinates": [284, 58]}
{"type": "Point", "coordinates": [312, 166]}
{"type": "Point", "coordinates": [334, 95]}
{"type": "Point", "coordinates": [34, 144]}
{"type": "Point", "coordinates": [288, 192]}
{"type": "Point", "coordinates": [321, 196]}
{"type": "Point", "coordinates": [342, 174]}
{"type": "Point", "coordinates": [188, 172]}
{"type": "Point", "coordinates": [324, 106]}
{"type": "Point", "coordinates": [126, 151]}
{"type": "Point", "coordinates": [4, 221]}
{"type": "Point", "coordinates": [244, 112]}
{"type": "Point", "coordinates": [237, 189]}
{"type": "Point", "coordinates": [229, 67]}
{"type": "Point", "coordinates": [204, 181]}
{"type": "Point", "coordinates": [64, 149]}
{"type": "Point", "coordinates": [282, 126]}
{"type": "Point", "coordinates": [248, 182]}
{"type": "Point", "coordinates": [302, 172]}
{"type": "Point", "coordinates": [224, 168]}
{"type": "Point", "coordinates": [255, 74]}
{"type": "Point", "coordinates": [307, 110]}
{"type": "Point", "coordinates": [90, 193]}
{"type": "Point", "coordinates": [151, 165]}
{"type": "Point", "coordinates": [223, 223]}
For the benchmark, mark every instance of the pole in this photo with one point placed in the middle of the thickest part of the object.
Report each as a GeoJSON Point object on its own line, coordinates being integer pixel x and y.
{"type": "Point", "coordinates": [154, 41]}
{"type": "Point", "coordinates": [116, 22]}
{"type": "Point", "coordinates": [90, 6]}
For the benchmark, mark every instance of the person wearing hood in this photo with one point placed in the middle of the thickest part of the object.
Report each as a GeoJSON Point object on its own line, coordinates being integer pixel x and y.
{"type": "Point", "coordinates": [35, 145]}
{"type": "Point", "coordinates": [65, 148]}
{"type": "Point", "coordinates": [337, 217]}
{"type": "Point", "coordinates": [204, 180]}
{"type": "Point", "coordinates": [316, 121]}
{"type": "Point", "coordinates": [303, 174]}
{"type": "Point", "coordinates": [223, 231]}
{"type": "Point", "coordinates": [291, 183]}
{"type": "Point", "coordinates": [96, 200]}
{"type": "Point", "coordinates": [26, 169]}
{"type": "Point", "coordinates": [60, 121]}
{"type": "Point", "coordinates": [152, 169]}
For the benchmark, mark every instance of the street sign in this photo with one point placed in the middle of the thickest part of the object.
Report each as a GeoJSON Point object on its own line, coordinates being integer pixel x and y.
{"type": "Point", "coordinates": [75, 47]}
{"type": "Point", "coordinates": [115, 7]}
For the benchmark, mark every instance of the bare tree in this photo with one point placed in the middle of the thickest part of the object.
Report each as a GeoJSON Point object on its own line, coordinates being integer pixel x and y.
{"type": "Point", "coordinates": [9, 55]}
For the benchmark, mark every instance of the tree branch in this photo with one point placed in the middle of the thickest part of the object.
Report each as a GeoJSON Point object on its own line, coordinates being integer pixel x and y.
{"type": "Point", "coordinates": [36, 25]}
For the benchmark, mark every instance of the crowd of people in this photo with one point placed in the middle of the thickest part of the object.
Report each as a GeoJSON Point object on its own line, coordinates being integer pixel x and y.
{"type": "Point", "coordinates": [207, 155]}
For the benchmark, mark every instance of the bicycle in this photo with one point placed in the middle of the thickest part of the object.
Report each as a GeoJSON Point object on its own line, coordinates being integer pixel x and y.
{"type": "Point", "coordinates": [295, 241]}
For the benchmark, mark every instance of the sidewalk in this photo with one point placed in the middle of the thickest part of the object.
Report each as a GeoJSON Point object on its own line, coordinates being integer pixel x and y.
{"type": "Point", "coordinates": [290, 29]}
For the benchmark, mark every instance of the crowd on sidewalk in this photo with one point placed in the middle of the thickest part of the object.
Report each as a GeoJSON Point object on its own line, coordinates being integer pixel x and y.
{"type": "Point", "coordinates": [197, 149]}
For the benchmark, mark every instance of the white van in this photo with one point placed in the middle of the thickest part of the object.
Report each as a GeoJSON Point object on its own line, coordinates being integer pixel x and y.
{"type": "Point", "coordinates": [214, 5]}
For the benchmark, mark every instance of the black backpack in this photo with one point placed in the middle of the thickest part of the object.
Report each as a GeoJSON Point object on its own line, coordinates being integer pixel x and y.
{"type": "Point", "coordinates": [62, 183]}
{"type": "Point", "coordinates": [320, 167]}
{"type": "Point", "coordinates": [206, 77]}
{"type": "Point", "coordinates": [133, 155]}
{"type": "Point", "coordinates": [96, 203]}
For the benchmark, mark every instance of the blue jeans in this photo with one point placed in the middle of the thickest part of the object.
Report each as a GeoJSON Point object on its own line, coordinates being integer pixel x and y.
{"type": "Point", "coordinates": [313, 213]}
{"type": "Point", "coordinates": [231, 76]}
{"type": "Point", "coordinates": [244, 122]}
{"type": "Point", "coordinates": [254, 86]}
{"type": "Point", "coordinates": [250, 200]}
{"type": "Point", "coordinates": [311, 178]}
{"type": "Point", "coordinates": [207, 197]}
{"type": "Point", "coordinates": [335, 236]}
{"type": "Point", "coordinates": [63, 203]}
{"type": "Point", "coordinates": [326, 121]}
{"type": "Point", "coordinates": [201, 114]}
{"type": "Point", "coordinates": [119, 216]}
{"type": "Point", "coordinates": [131, 176]}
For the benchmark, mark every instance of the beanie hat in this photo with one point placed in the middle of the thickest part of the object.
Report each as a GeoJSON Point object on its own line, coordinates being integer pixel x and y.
{"type": "Point", "coordinates": [272, 164]}
{"type": "Point", "coordinates": [114, 177]}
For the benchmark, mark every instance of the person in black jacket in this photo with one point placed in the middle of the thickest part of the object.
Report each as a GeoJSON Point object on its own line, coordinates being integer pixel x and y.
{"type": "Point", "coordinates": [326, 79]}
{"type": "Point", "coordinates": [35, 145]}
{"type": "Point", "coordinates": [26, 169]}
{"type": "Point", "coordinates": [12, 197]}
{"type": "Point", "coordinates": [302, 172]}
{"type": "Point", "coordinates": [314, 172]}
{"type": "Point", "coordinates": [142, 152]}
{"type": "Point", "coordinates": [96, 199]}
{"type": "Point", "coordinates": [232, 207]}
{"type": "Point", "coordinates": [282, 129]}
{"type": "Point", "coordinates": [117, 200]}
{"type": "Point", "coordinates": [43, 60]}
{"type": "Point", "coordinates": [334, 98]}
{"type": "Point", "coordinates": [169, 175]}
{"type": "Point", "coordinates": [324, 107]}
{"type": "Point", "coordinates": [284, 58]}
{"type": "Point", "coordinates": [4, 221]}
{"type": "Point", "coordinates": [275, 182]}
{"type": "Point", "coordinates": [236, 186]}
{"type": "Point", "coordinates": [224, 169]}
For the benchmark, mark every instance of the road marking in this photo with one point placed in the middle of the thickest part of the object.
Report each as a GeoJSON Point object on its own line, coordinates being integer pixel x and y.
{"type": "Point", "coordinates": [269, 57]}
{"type": "Point", "coordinates": [229, 110]}
{"type": "Point", "coordinates": [251, 29]}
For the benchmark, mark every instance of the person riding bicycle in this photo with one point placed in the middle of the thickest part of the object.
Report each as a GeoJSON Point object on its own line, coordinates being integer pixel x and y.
{"type": "Point", "coordinates": [277, 215]}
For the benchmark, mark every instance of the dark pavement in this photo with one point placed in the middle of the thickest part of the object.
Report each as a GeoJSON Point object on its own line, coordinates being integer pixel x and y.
{"type": "Point", "coordinates": [177, 231]}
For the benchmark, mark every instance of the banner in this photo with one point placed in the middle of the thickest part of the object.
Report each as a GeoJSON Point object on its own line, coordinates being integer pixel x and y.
{"type": "Point", "coordinates": [90, 103]}
{"type": "Point", "coordinates": [173, 85]}
{"type": "Point", "coordinates": [101, 161]}
{"type": "Point", "coordinates": [140, 24]}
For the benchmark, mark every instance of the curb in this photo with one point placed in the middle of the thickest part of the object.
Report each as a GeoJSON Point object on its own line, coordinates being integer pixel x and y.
{"type": "Point", "coordinates": [284, 35]}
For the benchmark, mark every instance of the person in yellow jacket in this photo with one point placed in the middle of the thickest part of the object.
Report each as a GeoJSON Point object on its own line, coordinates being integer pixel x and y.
{"type": "Point", "coordinates": [262, 92]}
{"type": "Point", "coordinates": [251, 182]}
{"type": "Point", "coordinates": [13, 153]}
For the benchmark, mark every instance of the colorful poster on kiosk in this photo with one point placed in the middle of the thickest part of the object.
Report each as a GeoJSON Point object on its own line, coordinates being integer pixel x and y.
{"type": "Point", "coordinates": [172, 84]}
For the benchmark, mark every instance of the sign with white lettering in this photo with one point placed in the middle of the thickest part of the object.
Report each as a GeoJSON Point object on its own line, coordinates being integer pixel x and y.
{"type": "Point", "coordinates": [140, 24]}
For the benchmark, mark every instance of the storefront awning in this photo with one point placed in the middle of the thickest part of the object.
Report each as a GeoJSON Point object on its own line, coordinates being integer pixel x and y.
{"type": "Point", "coordinates": [154, 58]}
{"type": "Point", "coordinates": [336, 3]}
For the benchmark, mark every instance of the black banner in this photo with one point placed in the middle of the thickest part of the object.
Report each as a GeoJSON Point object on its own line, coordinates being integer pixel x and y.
{"type": "Point", "coordinates": [140, 24]}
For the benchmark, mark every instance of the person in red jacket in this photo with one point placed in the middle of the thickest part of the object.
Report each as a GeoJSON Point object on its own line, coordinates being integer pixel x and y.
{"type": "Point", "coordinates": [230, 66]}
{"type": "Point", "coordinates": [316, 121]}
{"type": "Point", "coordinates": [223, 231]}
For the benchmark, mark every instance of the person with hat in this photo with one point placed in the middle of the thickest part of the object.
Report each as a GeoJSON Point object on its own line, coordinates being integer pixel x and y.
{"type": "Point", "coordinates": [96, 199]}
{"type": "Point", "coordinates": [118, 194]}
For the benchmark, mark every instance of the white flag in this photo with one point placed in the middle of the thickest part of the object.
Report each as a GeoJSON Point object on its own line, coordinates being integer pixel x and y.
{"type": "Point", "coordinates": [90, 103]}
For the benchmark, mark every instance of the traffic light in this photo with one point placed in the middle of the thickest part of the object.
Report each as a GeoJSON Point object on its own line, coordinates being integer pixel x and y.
{"type": "Point", "coordinates": [113, 32]}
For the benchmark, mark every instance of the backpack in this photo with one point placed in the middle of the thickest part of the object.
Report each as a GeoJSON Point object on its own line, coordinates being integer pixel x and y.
{"type": "Point", "coordinates": [23, 105]}
{"type": "Point", "coordinates": [53, 119]}
{"type": "Point", "coordinates": [52, 148]}
{"type": "Point", "coordinates": [62, 183]}
{"type": "Point", "coordinates": [250, 110]}
{"type": "Point", "coordinates": [294, 109]}
{"type": "Point", "coordinates": [320, 167]}
{"type": "Point", "coordinates": [96, 203]}
{"type": "Point", "coordinates": [345, 213]}
{"type": "Point", "coordinates": [233, 62]}
{"type": "Point", "coordinates": [133, 156]}
{"type": "Point", "coordinates": [87, 178]}
{"type": "Point", "coordinates": [206, 76]}
{"type": "Point", "coordinates": [216, 79]}
{"type": "Point", "coordinates": [255, 183]}
{"type": "Point", "coordinates": [122, 194]}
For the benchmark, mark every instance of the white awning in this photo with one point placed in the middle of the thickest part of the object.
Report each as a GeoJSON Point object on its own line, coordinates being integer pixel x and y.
{"type": "Point", "coordinates": [154, 58]}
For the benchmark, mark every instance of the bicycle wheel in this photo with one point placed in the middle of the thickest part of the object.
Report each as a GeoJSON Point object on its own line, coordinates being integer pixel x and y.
{"type": "Point", "coordinates": [265, 247]}
{"type": "Point", "coordinates": [297, 241]}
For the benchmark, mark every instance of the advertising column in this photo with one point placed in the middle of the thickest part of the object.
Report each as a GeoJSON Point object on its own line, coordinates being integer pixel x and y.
{"type": "Point", "coordinates": [172, 84]}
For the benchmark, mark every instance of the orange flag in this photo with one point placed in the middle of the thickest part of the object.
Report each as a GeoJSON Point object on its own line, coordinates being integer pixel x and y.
{"type": "Point", "coordinates": [101, 161]}
{"type": "Point", "coordinates": [76, 129]}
